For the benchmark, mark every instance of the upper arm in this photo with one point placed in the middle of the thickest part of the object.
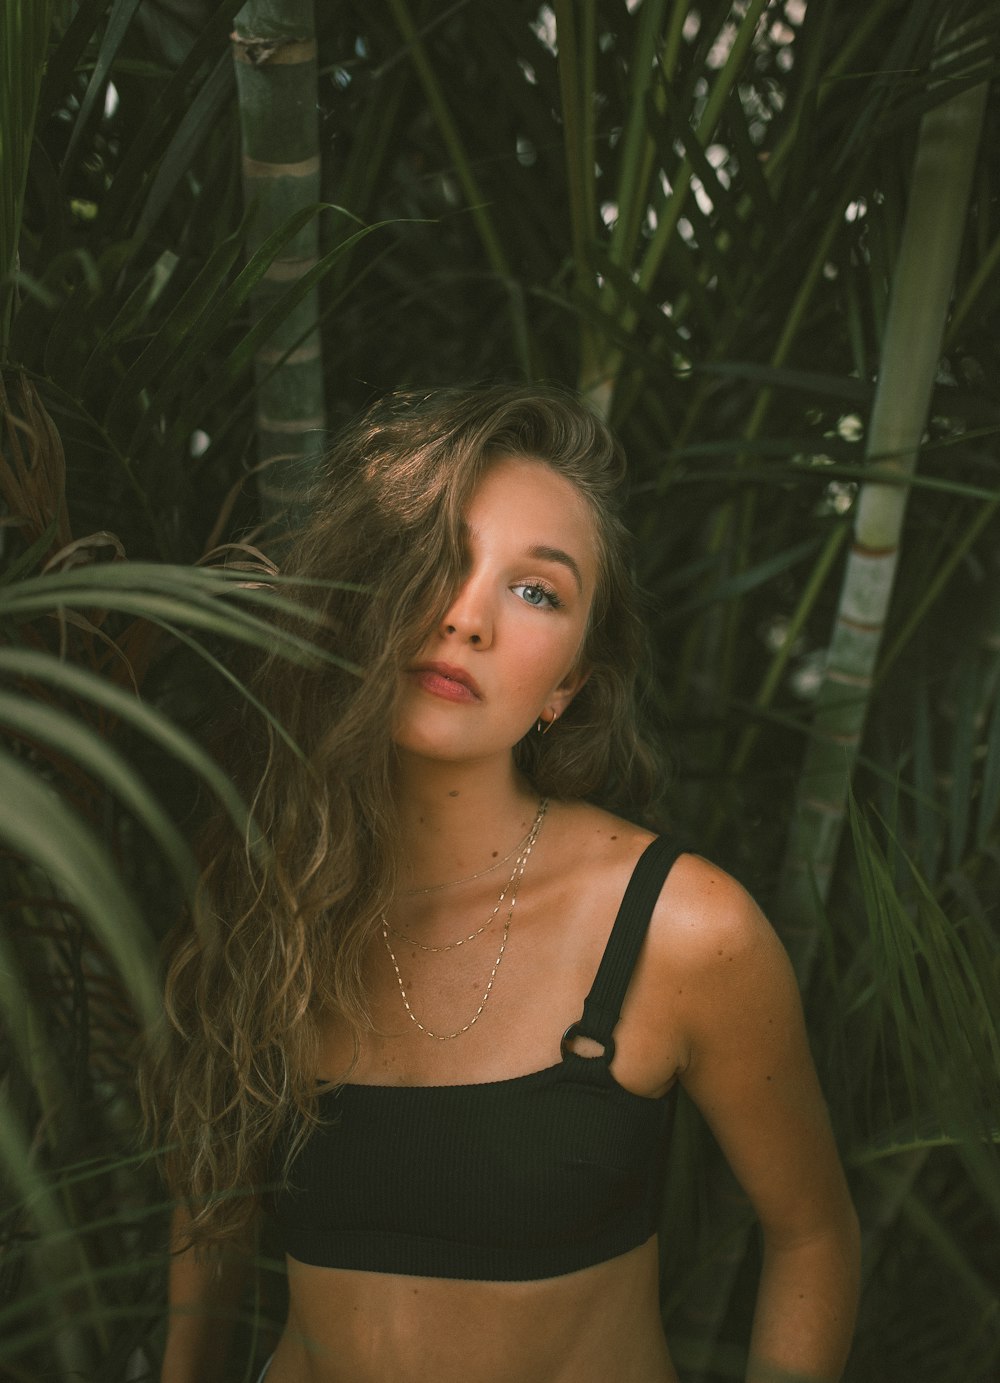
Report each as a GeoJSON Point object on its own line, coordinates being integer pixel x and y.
{"type": "Point", "coordinates": [748, 1066]}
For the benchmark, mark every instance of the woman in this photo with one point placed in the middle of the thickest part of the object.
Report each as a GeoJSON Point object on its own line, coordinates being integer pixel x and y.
{"type": "Point", "coordinates": [445, 1007]}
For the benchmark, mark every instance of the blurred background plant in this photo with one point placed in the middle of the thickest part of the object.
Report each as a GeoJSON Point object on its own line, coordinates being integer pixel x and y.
{"type": "Point", "coordinates": [705, 216]}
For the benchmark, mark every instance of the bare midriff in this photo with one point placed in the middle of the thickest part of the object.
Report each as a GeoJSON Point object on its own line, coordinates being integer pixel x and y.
{"type": "Point", "coordinates": [589, 1326]}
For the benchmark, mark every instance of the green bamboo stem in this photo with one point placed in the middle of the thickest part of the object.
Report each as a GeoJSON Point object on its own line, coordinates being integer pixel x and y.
{"type": "Point", "coordinates": [897, 426]}
{"type": "Point", "coordinates": [274, 51]}
{"type": "Point", "coordinates": [922, 285]}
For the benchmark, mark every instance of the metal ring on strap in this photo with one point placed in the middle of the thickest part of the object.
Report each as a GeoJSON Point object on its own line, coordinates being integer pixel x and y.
{"type": "Point", "coordinates": [572, 1031]}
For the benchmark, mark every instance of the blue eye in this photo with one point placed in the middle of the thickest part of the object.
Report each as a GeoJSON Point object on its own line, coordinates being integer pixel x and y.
{"type": "Point", "coordinates": [537, 595]}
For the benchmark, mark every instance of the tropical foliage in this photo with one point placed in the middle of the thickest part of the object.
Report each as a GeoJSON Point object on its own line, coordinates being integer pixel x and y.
{"type": "Point", "coordinates": [708, 217]}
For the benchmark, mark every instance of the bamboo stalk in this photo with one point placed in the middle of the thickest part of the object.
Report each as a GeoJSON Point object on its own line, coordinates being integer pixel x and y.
{"type": "Point", "coordinates": [925, 270]}
{"type": "Point", "coordinates": [921, 289]}
{"type": "Point", "coordinates": [274, 51]}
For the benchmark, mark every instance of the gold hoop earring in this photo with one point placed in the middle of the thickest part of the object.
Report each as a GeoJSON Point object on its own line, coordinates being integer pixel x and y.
{"type": "Point", "coordinates": [544, 726]}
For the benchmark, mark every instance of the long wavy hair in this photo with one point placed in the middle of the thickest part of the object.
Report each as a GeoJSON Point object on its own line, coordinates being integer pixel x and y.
{"type": "Point", "coordinates": [276, 939]}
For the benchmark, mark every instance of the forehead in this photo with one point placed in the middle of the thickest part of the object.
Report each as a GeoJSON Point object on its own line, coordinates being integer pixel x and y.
{"type": "Point", "coordinates": [536, 507]}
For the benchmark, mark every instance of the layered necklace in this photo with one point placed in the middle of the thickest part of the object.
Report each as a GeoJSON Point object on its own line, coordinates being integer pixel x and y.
{"type": "Point", "coordinates": [510, 888]}
{"type": "Point", "coordinates": [467, 879]}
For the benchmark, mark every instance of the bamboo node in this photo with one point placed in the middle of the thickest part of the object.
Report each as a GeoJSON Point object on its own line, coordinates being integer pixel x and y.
{"type": "Point", "coordinates": [287, 270]}
{"type": "Point", "coordinates": [861, 549]}
{"type": "Point", "coordinates": [278, 52]}
{"type": "Point", "coordinates": [274, 355]}
{"type": "Point", "coordinates": [865, 626]}
{"type": "Point", "coordinates": [847, 679]}
{"type": "Point", "coordinates": [257, 168]}
{"type": "Point", "coordinates": [293, 426]}
{"type": "Point", "coordinates": [823, 807]}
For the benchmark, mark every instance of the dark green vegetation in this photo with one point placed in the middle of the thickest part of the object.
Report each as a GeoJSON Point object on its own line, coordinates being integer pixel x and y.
{"type": "Point", "coordinates": [700, 213]}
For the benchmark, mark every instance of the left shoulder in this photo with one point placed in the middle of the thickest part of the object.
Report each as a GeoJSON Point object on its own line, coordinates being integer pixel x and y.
{"type": "Point", "coordinates": [706, 917]}
{"type": "Point", "coordinates": [728, 975]}
{"type": "Point", "coordinates": [744, 1059]}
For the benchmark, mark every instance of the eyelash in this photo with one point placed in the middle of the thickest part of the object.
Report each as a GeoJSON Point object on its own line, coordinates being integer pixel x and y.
{"type": "Point", "coordinates": [553, 599]}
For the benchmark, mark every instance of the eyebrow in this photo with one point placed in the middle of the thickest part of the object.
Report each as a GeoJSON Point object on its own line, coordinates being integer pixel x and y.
{"type": "Point", "coordinates": [543, 553]}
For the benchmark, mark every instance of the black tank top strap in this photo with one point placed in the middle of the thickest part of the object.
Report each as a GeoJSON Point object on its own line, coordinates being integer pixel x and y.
{"type": "Point", "coordinates": [603, 1005]}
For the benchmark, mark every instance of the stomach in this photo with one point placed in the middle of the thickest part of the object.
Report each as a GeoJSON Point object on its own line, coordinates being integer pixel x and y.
{"type": "Point", "coordinates": [602, 1322]}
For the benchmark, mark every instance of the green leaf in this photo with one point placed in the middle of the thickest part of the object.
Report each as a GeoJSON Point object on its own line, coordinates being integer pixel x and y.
{"type": "Point", "coordinates": [65, 734]}
{"type": "Point", "coordinates": [121, 16]}
{"type": "Point", "coordinates": [35, 823]}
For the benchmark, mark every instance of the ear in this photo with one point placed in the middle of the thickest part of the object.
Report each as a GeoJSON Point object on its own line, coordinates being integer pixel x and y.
{"type": "Point", "coordinates": [566, 690]}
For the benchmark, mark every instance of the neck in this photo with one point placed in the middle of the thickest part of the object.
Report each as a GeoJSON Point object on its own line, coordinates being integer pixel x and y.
{"type": "Point", "coordinates": [458, 819]}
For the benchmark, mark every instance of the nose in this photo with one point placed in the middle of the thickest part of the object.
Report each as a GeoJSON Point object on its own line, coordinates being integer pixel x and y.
{"type": "Point", "coordinates": [469, 618]}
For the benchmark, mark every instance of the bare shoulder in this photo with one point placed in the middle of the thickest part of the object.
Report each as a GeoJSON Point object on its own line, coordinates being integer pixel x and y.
{"type": "Point", "coordinates": [701, 908]}
{"type": "Point", "coordinates": [718, 959]}
{"type": "Point", "coordinates": [705, 916]}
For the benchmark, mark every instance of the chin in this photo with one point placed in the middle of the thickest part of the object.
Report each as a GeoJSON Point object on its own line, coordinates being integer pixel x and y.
{"type": "Point", "coordinates": [424, 745]}
{"type": "Point", "coordinates": [452, 749]}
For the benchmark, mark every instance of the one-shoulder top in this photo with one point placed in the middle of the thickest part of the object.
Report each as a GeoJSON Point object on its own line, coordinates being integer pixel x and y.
{"type": "Point", "coordinates": [508, 1180]}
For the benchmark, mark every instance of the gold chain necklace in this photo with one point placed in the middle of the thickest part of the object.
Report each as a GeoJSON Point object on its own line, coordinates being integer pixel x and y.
{"type": "Point", "coordinates": [522, 861]}
{"type": "Point", "coordinates": [525, 845]}
{"type": "Point", "coordinates": [454, 883]}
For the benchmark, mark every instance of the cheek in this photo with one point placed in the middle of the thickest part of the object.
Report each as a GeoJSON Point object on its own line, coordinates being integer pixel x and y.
{"type": "Point", "coordinates": [545, 667]}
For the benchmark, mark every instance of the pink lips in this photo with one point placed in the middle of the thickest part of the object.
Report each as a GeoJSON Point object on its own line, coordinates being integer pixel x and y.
{"type": "Point", "coordinates": [450, 683]}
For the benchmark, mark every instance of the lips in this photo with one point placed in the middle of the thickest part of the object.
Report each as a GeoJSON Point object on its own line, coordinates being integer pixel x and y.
{"type": "Point", "coordinates": [448, 682]}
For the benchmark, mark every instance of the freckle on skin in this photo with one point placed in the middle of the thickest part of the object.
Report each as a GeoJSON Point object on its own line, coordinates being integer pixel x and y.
{"type": "Point", "coordinates": [453, 793]}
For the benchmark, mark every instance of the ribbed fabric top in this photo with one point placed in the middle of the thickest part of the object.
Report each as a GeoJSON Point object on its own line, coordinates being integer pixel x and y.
{"type": "Point", "coordinates": [509, 1180]}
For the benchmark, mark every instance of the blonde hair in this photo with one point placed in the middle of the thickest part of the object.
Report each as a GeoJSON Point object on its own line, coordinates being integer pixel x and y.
{"type": "Point", "coordinates": [269, 947]}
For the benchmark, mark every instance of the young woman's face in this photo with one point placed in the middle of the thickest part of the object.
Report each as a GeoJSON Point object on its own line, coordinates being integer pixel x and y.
{"type": "Point", "coordinates": [508, 650]}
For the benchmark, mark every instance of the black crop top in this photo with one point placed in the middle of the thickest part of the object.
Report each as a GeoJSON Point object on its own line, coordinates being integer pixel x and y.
{"type": "Point", "coordinates": [506, 1180]}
